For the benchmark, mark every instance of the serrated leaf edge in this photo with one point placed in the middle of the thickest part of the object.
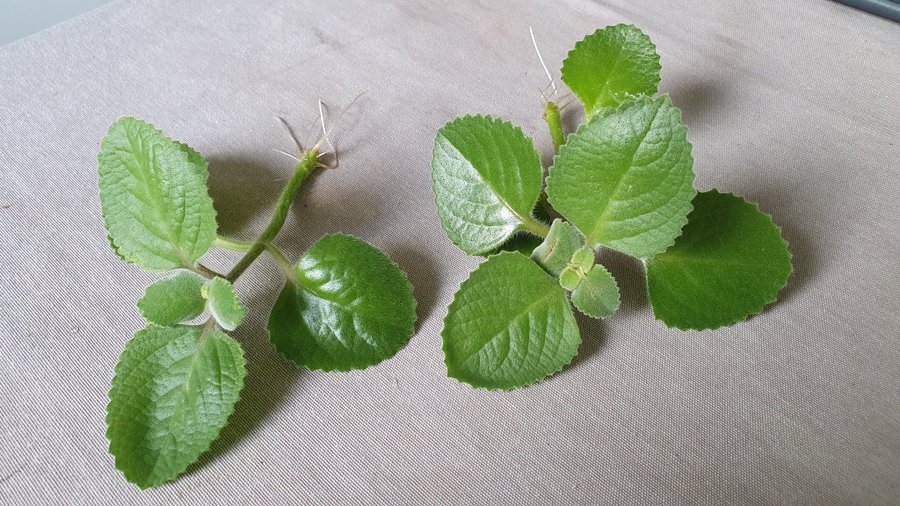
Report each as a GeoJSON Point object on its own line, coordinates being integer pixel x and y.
{"type": "Point", "coordinates": [498, 389]}
{"type": "Point", "coordinates": [612, 110]}
{"type": "Point", "coordinates": [520, 227]}
{"type": "Point", "coordinates": [618, 296]}
{"type": "Point", "coordinates": [117, 371]}
{"type": "Point", "coordinates": [584, 41]}
{"type": "Point", "coordinates": [411, 331]}
{"type": "Point", "coordinates": [116, 247]}
{"type": "Point", "coordinates": [756, 310]}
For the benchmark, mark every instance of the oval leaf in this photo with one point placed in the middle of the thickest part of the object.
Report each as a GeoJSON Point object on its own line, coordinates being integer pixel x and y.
{"type": "Point", "coordinates": [611, 65]}
{"type": "Point", "coordinates": [173, 391]}
{"type": "Point", "coordinates": [727, 265]}
{"type": "Point", "coordinates": [153, 193]}
{"type": "Point", "coordinates": [509, 325]}
{"type": "Point", "coordinates": [224, 304]}
{"type": "Point", "coordinates": [597, 295]}
{"type": "Point", "coordinates": [173, 299]}
{"type": "Point", "coordinates": [625, 178]}
{"type": "Point", "coordinates": [349, 307]}
{"type": "Point", "coordinates": [486, 177]}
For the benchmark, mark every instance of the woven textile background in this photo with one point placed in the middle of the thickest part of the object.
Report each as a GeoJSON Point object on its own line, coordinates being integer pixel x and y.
{"type": "Point", "coordinates": [794, 105]}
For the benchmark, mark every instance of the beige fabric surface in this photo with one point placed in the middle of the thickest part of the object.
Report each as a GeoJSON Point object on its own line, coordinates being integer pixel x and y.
{"type": "Point", "coordinates": [794, 105]}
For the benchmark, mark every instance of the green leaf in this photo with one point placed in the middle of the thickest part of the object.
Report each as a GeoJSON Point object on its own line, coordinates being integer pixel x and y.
{"type": "Point", "coordinates": [625, 178]}
{"type": "Point", "coordinates": [173, 299]}
{"type": "Point", "coordinates": [173, 391]}
{"type": "Point", "coordinates": [349, 307]}
{"type": "Point", "coordinates": [509, 325]}
{"type": "Point", "coordinates": [597, 295]}
{"type": "Point", "coordinates": [223, 303]}
{"type": "Point", "coordinates": [557, 249]}
{"type": "Point", "coordinates": [611, 65]}
{"type": "Point", "coordinates": [153, 193]}
{"type": "Point", "coordinates": [486, 178]}
{"type": "Point", "coordinates": [727, 265]}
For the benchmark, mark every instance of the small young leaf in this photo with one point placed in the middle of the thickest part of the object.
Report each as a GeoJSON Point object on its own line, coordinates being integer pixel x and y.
{"type": "Point", "coordinates": [486, 178]}
{"type": "Point", "coordinates": [729, 262]}
{"type": "Point", "coordinates": [597, 295]}
{"type": "Point", "coordinates": [610, 65]}
{"type": "Point", "coordinates": [223, 303]}
{"type": "Point", "coordinates": [557, 249]}
{"type": "Point", "coordinates": [153, 193]}
{"type": "Point", "coordinates": [625, 178]}
{"type": "Point", "coordinates": [173, 299]}
{"type": "Point", "coordinates": [509, 325]}
{"type": "Point", "coordinates": [349, 307]}
{"type": "Point", "coordinates": [173, 391]}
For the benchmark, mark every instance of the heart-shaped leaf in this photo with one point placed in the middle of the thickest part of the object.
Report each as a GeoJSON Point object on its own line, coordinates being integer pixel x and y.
{"type": "Point", "coordinates": [610, 65]}
{"type": "Point", "coordinates": [173, 299]}
{"type": "Point", "coordinates": [153, 193]}
{"type": "Point", "coordinates": [625, 178]}
{"type": "Point", "coordinates": [348, 307]}
{"type": "Point", "coordinates": [486, 178]}
{"type": "Point", "coordinates": [729, 262]}
{"type": "Point", "coordinates": [509, 325]}
{"type": "Point", "coordinates": [173, 391]}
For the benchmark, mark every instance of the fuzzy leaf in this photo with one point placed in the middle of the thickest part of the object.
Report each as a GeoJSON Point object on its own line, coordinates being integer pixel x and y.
{"type": "Point", "coordinates": [153, 193]}
{"type": "Point", "coordinates": [486, 177]}
{"type": "Point", "coordinates": [597, 295]}
{"type": "Point", "coordinates": [173, 299]}
{"type": "Point", "coordinates": [557, 249]}
{"type": "Point", "coordinates": [509, 325]}
{"type": "Point", "coordinates": [611, 65]}
{"type": "Point", "coordinates": [729, 262]}
{"type": "Point", "coordinates": [223, 303]}
{"type": "Point", "coordinates": [349, 307]}
{"type": "Point", "coordinates": [625, 178]}
{"type": "Point", "coordinates": [173, 391]}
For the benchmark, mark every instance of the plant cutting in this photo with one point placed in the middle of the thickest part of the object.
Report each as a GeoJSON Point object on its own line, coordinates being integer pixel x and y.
{"type": "Point", "coordinates": [622, 181]}
{"type": "Point", "coordinates": [344, 304]}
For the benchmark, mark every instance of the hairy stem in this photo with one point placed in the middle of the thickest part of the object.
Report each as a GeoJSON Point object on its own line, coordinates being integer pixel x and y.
{"type": "Point", "coordinates": [536, 227]}
{"type": "Point", "coordinates": [554, 123]}
{"type": "Point", "coordinates": [306, 166]}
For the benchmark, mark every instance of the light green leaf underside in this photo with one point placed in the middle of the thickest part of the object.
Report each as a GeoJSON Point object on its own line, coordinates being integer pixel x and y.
{"type": "Point", "coordinates": [557, 249]}
{"type": "Point", "coordinates": [486, 177]}
{"type": "Point", "coordinates": [597, 295]}
{"type": "Point", "coordinates": [223, 303]}
{"type": "Point", "coordinates": [611, 65]}
{"type": "Point", "coordinates": [351, 307]}
{"type": "Point", "coordinates": [173, 391]}
{"type": "Point", "coordinates": [509, 325]}
{"type": "Point", "coordinates": [625, 178]}
{"type": "Point", "coordinates": [729, 262]}
{"type": "Point", "coordinates": [153, 194]}
{"type": "Point", "coordinates": [173, 299]}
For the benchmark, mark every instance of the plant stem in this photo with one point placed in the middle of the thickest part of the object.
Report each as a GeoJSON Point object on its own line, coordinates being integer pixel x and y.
{"type": "Point", "coordinates": [231, 244]}
{"type": "Point", "coordinates": [535, 227]}
{"type": "Point", "coordinates": [286, 267]}
{"type": "Point", "coordinates": [554, 122]}
{"type": "Point", "coordinates": [206, 271]}
{"type": "Point", "coordinates": [306, 166]}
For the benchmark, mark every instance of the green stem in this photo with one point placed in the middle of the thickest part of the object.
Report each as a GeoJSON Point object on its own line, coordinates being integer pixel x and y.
{"type": "Point", "coordinates": [535, 227]}
{"type": "Point", "coordinates": [304, 169]}
{"type": "Point", "coordinates": [231, 244]}
{"type": "Point", "coordinates": [554, 122]}
{"type": "Point", "coordinates": [282, 261]}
